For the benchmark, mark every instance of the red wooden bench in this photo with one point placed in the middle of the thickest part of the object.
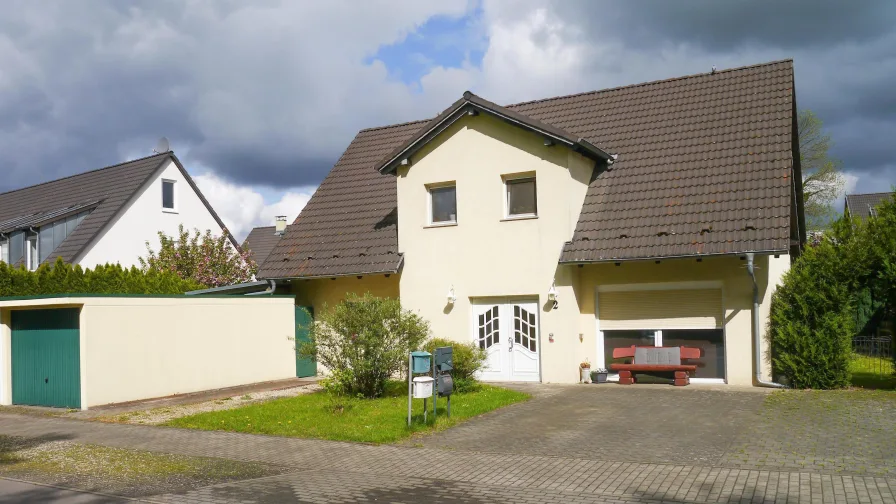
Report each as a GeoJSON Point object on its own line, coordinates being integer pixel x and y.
{"type": "Point", "coordinates": [655, 360]}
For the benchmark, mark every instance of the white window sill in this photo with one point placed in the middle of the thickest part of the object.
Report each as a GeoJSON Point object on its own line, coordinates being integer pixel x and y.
{"type": "Point", "coordinates": [170, 210]}
{"type": "Point", "coordinates": [519, 217]}
{"type": "Point", "coordinates": [440, 224]}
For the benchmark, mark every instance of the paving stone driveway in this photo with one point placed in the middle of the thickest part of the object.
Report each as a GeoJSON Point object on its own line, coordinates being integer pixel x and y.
{"type": "Point", "coordinates": [569, 444]}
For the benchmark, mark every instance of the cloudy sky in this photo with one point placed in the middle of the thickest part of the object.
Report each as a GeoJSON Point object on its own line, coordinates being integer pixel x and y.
{"type": "Point", "coordinates": [260, 98]}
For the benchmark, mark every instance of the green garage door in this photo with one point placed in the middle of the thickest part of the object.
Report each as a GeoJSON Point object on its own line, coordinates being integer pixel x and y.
{"type": "Point", "coordinates": [46, 356]}
{"type": "Point", "coordinates": [304, 318]}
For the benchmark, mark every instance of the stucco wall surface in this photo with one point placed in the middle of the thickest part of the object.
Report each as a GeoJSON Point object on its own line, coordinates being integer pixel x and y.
{"type": "Point", "coordinates": [487, 256]}
{"type": "Point", "coordinates": [146, 347]}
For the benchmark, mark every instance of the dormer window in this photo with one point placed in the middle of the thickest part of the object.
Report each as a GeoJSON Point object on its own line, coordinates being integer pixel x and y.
{"type": "Point", "coordinates": [168, 196]}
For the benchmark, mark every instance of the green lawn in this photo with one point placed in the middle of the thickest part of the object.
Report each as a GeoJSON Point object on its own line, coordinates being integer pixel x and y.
{"type": "Point", "coordinates": [319, 415]}
{"type": "Point", "coordinates": [872, 372]}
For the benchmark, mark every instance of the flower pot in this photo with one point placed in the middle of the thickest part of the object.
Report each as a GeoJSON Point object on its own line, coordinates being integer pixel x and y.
{"type": "Point", "coordinates": [599, 377]}
{"type": "Point", "coordinates": [586, 374]}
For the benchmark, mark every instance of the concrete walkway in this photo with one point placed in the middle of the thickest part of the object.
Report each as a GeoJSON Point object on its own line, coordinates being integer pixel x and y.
{"type": "Point", "coordinates": [325, 471]}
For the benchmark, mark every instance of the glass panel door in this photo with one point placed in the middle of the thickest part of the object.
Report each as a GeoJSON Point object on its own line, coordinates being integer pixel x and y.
{"type": "Point", "coordinates": [623, 339]}
{"type": "Point", "coordinates": [711, 343]}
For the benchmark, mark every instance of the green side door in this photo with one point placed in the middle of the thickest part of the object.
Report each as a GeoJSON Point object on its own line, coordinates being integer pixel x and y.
{"type": "Point", "coordinates": [304, 318]}
{"type": "Point", "coordinates": [46, 358]}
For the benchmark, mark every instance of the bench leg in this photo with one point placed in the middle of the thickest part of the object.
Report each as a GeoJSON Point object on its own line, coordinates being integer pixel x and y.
{"type": "Point", "coordinates": [626, 378]}
{"type": "Point", "coordinates": [682, 378]}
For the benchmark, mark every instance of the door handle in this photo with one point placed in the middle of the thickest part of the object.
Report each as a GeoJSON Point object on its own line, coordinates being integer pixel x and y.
{"type": "Point", "coordinates": [510, 344]}
{"type": "Point", "coordinates": [46, 380]}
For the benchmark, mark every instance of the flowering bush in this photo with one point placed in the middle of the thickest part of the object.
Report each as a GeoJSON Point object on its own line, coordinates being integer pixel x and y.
{"type": "Point", "coordinates": [209, 260]}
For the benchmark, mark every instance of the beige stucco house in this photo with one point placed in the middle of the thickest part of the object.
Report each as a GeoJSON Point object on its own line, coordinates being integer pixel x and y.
{"type": "Point", "coordinates": [551, 232]}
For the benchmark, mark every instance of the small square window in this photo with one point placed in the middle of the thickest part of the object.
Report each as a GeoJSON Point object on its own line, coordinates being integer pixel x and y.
{"type": "Point", "coordinates": [521, 197]}
{"type": "Point", "coordinates": [443, 204]}
{"type": "Point", "coordinates": [168, 194]}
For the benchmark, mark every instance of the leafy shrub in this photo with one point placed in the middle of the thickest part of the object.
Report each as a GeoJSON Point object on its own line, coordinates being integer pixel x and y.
{"type": "Point", "coordinates": [363, 341]}
{"type": "Point", "coordinates": [468, 360]}
{"type": "Point", "coordinates": [830, 293]}
{"type": "Point", "coordinates": [62, 278]}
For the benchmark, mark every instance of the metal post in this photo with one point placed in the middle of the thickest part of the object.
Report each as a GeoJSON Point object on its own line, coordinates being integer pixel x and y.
{"type": "Point", "coordinates": [424, 411]}
{"type": "Point", "coordinates": [435, 388]}
{"type": "Point", "coordinates": [410, 385]}
{"type": "Point", "coordinates": [449, 406]}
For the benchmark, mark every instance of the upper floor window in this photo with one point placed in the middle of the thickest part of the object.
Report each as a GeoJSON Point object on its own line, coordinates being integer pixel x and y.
{"type": "Point", "coordinates": [521, 197]}
{"type": "Point", "coordinates": [168, 194]}
{"type": "Point", "coordinates": [443, 204]}
{"type": "Point", "coordinates": [4, 251]}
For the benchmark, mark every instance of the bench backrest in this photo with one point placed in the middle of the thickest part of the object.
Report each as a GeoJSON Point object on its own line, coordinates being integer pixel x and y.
{"type": "Point", "coordinates": [650, 355]}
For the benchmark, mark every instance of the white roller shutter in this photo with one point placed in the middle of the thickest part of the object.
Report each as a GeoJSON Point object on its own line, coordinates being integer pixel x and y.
{"type": "Point", "coordinates": [661, 309]}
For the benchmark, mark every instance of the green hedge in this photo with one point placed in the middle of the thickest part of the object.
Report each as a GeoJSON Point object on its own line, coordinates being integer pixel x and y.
{"type": "Point", "coordinates": [62, 278]}
{"type": "Point", "coordinates": [830, 293]}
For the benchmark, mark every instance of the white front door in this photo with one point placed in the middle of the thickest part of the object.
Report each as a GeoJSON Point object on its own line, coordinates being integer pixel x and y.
{"type": "Point", "coordinates": [508, 332]}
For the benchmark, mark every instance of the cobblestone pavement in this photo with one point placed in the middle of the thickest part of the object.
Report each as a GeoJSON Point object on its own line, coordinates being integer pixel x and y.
{"type": "Point", "coordinates": [553, 448]}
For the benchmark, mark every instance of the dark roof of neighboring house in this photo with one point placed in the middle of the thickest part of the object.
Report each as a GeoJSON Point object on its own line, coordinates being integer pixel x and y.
{"type": "Point", "coordinates": [705, 166]}
{"type": "Point", "coordinates": [861, 205]}
{"type": "Point", "coordinates": [106, 191]}
{"type": "Point", "coordinates": [260, 242]}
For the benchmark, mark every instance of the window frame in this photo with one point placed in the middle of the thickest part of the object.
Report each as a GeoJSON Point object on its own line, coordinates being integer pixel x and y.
{"type": "Point", "coordinates": [173, 208]}
{"type": "Point", "coordinates": [430, 210]}
{"type": "Point", "coordinates": [32, 258]}
{"type": "Point", "coordinates": [510, 180]}
{"type": "Point", "coordinates": [4, 250]}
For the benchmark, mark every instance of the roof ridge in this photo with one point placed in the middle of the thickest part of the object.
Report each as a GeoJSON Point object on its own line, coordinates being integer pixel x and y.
{"type": "Point", "coordinates": [86, 172]}
{"type": "Point", "coordinates": [595, 91]}
{"type": "Point", "coordinates": [869, 193]}
{"type": "Point", "coordinates": [397, 125]}
{"type": "Point", "coordinates": [262, 227]}
{"type": "Point", "coordinates": [650, 83]}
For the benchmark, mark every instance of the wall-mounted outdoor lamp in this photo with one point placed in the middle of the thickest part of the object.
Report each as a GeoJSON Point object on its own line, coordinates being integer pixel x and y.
{"type": "Point", "coordinates": [451, 297]}
{"type": "Point", "coordinates": [553, 296]}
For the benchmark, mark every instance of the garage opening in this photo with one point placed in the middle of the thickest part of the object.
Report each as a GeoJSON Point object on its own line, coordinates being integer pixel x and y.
{"type": "Point", "coordinates": [665, 317]}
{"type": "Point", "coordinates": [46, 357]}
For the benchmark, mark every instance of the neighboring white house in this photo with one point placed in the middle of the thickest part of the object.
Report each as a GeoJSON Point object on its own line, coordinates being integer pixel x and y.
{"type": "Point", "coordinates": [103, 216]}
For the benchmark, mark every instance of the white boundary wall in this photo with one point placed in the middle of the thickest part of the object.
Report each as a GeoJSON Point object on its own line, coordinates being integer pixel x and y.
{"type": "Point", "coordinates": [136, 348]}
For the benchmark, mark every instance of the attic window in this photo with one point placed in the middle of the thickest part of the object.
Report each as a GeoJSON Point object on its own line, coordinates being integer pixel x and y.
{"type": "Point", "coordinates": [521, 197]}
{"type": "Point", "coordinates": [168, 196]}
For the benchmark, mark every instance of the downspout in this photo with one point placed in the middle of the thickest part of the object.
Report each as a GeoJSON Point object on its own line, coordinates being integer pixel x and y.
{"type": "Point", "coordinates": [757, 358]}
{"type": "Point", "coordinates": [272, 288]}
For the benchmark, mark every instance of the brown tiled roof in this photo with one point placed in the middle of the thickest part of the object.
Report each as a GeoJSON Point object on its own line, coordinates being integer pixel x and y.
{"type": "Point", "coordinates": [704, 167]}
{"type": "Point", "coordinates": [861, 205]}
{"type": "Point", "coordinates": [471, 103]}
{"type": "Point", "coordinates": [260, 242]}
{"type": "Point", "coordinates": [349, 226]}
{"type": "Point", "coordinates": [106, 190]}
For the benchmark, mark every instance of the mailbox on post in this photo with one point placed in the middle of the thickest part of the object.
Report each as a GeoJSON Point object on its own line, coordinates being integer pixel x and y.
{"type": "Point", "coordinates": [421, 387]}
{"type": "Point", "coordinates": [441, 373]}
{"type": "Point", "coordinates": [420, 362]}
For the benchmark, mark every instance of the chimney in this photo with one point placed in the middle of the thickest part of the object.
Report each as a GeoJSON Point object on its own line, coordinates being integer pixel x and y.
{"type": "Point", "coordinates": [280, 225]}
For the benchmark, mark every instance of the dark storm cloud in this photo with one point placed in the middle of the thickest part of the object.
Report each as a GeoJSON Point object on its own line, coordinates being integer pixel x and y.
{"type": "Point", "coordinates": [264, 93]}
{"type": "Point", "coordinates": [727, 24]}
{"type": "Point", "coordinates": [271, 97]}
{"type": "Point", "coordinates": [844, 57]}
